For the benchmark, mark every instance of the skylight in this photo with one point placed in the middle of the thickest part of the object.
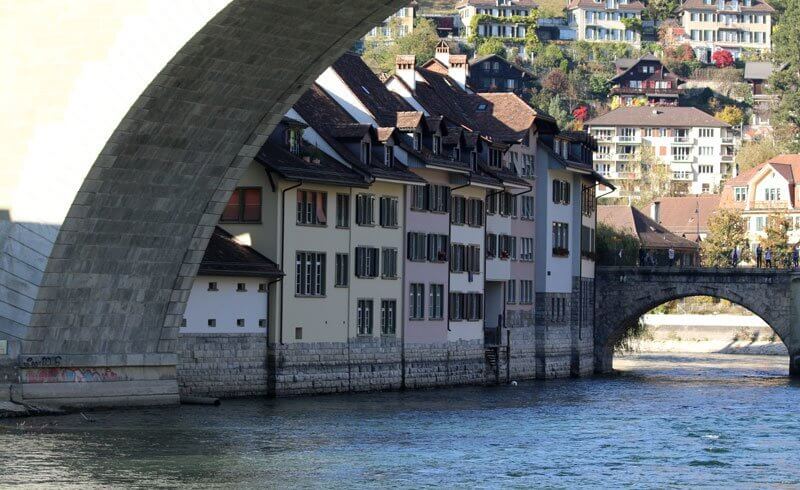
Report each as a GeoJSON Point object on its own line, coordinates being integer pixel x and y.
{"type": "Point", "coordinates": [365, 90]}
{"type": "Point", "coordinates": [482, 107]}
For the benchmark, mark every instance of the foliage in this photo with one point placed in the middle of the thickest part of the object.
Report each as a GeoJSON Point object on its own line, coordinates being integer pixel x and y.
{"type": "Point", "coordinates": [727, 79]}
{"type": "Point", "coordinates": [651, 179]}
{"type": "Point", "coordinates": [581, 113]}
{"type": "Point", "coordinates": [558, 111]}
{"type": "Point", "coordinates": [633, 24]}
{"type": "Point", "coordinates": [490, 46]}
{"type": "Point", "coordinates": [726, 230]}
{"type": "Point", "coordinates": [722, 58]}
{"type": "Point", "coordinates": [786, 83]}
{"type": "Point", "coordinates": [610, 241]}
{"type": "Point", "coordinates": [615, 103]}
{"type": "Point", "coordinates": [380, 54]}
{"type": "Point", "coordinates": [660, 10]}
{"type": "Point", "coordinates": [731, 115]}
{"type": "Point", "coordinates": [551, 8]}
{"type": "Point", "coordinates": [753, 153]}
{"type": "Point", "coordinates": [599, 86]}
{"type": "Point", "coordinates": [777, 239]}
{"type": "Point", "coordinates": [556, 82]}
{"type": "Point", "coordinates": [529, 21]}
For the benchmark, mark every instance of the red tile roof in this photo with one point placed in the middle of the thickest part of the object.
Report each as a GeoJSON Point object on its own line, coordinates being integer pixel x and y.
{"type": "Point", "coordinates": [681, 215]}
{"type": "Point", "coordinates": [658, 117]}
{"type": "Point", "coordinates": [591, 4]}
{"type": "Point", "coordinates": [651, 235]}
{"type": "Point", "coordinates": [758, 6]}
{"type": "Point", "coordinates": [224, 256]}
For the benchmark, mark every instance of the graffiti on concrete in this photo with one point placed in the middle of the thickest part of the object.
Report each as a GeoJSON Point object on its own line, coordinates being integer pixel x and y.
{"type": "Point", "coordinates": [42, 361]}
{"type": "Point", "coordinates": [70, 375]}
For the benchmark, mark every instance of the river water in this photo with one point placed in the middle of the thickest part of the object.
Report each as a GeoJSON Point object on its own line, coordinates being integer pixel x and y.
{"type": "Point", "coordinates": [665, 421]}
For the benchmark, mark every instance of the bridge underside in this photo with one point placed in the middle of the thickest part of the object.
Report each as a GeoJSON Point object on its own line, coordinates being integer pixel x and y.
{"type": "Point", "coordinates": [104, 326]}
{"type": "Point", "coordinates": [624, 294]}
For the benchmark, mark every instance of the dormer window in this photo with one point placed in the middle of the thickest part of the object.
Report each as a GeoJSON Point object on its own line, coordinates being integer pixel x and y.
{"type": "Point", "coordinates": [495, 158]}
{"type": "Point", "coordinates": [473, 159]}
{"type": "Point", "coordinates": [456, 156]}
{"type": "Point", "coordinates": [437, 144]}
{"type": "Point", "coordinates": [293, 137]}
{"type": "Point", "coordinates": [417, 141]}
{"type": "Point", "coordinates": [388, 155]}
{"type": "Point", "coordinates": [366, 151]}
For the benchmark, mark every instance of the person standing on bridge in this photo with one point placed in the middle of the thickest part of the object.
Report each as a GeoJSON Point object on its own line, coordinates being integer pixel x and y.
{"type": "Point", "coordinates": [795, 255]}
{"type": "Point", "coordinates": [768, 258]}
{"type": "Point", "coordinates": [734, 257]}
{"type": "Point", "coordinates": [759, 254]}
{"type": "Point", "coordinates": [671, 256]}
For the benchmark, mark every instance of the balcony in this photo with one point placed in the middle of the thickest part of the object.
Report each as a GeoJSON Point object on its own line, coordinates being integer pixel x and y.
{"type": "Point", "coordinates": [727, 158]}
{"type": "Point", "coordinates": [602, 137]}
{"type": "Point", "coordinates": [682, 158]}
{"type": "Point", "coordinates": [603, 157]}
{"type": "Point", "coordinates": [626, 156]}
{"type": "Point", "coordinates": [682, 141]}
{"type": "Point", "coordinates": [644, 91]}
{"type": "Point", "coordinates": [683, 176]}
{"type": "Point", "coordinates": [727, 141]}
{"type": "Point", "coordinates": [635, 140]}
{"type": "Point", "coordinates": [624, 175]}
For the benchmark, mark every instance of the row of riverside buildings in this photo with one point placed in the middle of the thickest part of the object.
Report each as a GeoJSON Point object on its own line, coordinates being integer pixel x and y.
{"type": "Point", "coordinates": [400, 234]}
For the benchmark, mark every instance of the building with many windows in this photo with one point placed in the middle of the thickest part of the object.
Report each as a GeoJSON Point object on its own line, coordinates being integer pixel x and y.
{"type": "Point", "coordinates": [645, 78]}
{"type": "Point", "coordinates": [503, 19]}
{"type": "Point", "coordinates": [606, 20]}
{"type": "Point", "coordinates": [398, 25]}
{"type": "Point", "coordinates": [732, 25]}
{"type": "Point", "coordinates": [697, 148]}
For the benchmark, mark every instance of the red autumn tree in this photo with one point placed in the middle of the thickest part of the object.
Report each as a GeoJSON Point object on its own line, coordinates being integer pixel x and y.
{"type": "Point", "coordinates": [686, 52]}
{"type": "Point", "coordinates": [581, 113]}
{"type": "Point", "coordinates": [556, 82]}
{"type": "Point", "coordinates": [722, 58]}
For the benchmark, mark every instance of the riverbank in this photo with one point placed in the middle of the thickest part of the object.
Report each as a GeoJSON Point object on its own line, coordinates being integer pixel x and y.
{"type": "Point", "coordinates": [721, 334]}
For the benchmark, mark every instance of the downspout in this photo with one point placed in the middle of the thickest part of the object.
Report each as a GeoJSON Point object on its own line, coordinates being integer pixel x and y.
{"type": "Point", "coordinates": [450, 245]}
{"type": "Point", "coordinates": [594, 283]}
{"type": "Point", "coordinates": [485, 232]}
{"type": "Point", "coordinates": [283, 251]}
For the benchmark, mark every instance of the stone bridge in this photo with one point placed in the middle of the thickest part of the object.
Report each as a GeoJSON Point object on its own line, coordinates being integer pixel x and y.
{"type": "Point", "coordinates": [624, 294]}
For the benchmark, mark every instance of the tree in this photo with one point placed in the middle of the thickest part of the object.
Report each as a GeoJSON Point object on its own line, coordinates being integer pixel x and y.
{"type": "Point", "coordinates": [731, 115]}
{"type": "Point", "coordinates": [599, 86]}
{"type": "Point", "coordinates": [753, 153]}
{"type": "Point", "coordinates": [786, 83]}
{"type": "Point", "coordinates": [490, 46]}
{"type": "Point", "coordinates": [660, 10]}
{"type": "Point", "coordinates": [726, 231]}
{"type": "Point", "coordinates": [777, 239]}
{"type": "Point", "coordinates": [611, 241]}
{"type": "Point", "coordinates": [557, 110]}
{"type": "Point", "coordinates": [380, 54]}
{"type": "Point", "coordinates": [647, 178]}
{"type": "Point", "coordinates": [581, 113]}
{"type": "Point", "coordinates": [556, 82]}
{"type": "Point", "coordinates": [722, 58]}
{"type": "Point", "coordinates": [685, 52]}
{"type": "Point", "coordinates": [632, 24]}
{"type": "Point", "coordinates": [615, 103]}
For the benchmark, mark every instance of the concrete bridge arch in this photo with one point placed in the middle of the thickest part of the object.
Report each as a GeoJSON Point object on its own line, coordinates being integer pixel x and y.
{"type": "Point", "coordinates": [624, 294]}
{"type": "Point", "coordinates": [106, 288]}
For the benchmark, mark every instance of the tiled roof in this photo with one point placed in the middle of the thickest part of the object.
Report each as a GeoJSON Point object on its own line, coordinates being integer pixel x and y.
{"type": "Point", "coordinates": [634, 63]}
{"type": "Point", "coordinates": [322, 168]}
{"type": "Point", "coordinates": [408, 120]}
{"type": "Point", "coordinates": [352, 130]}
{"type": "Point", "coordinates": [759, 70]}
{"type": "Point", "coordinates": [758, 6]}
{"type": "Point", "coordinates": [225, 256]}
{"type": "Point", "coordinates": [368, 88]}
{"type": "Point", "coordinates": [438, 94]}
{"type": "Point", "coordinates": [681, 215]}
{"type": "Point", "coordinates": [787, 165]}
{"type": "Point", "coordinates": [493, 3]}
{"type": "Point", "coordinates": [591, 4]}
{"type": "Point", "coordinates": [504, 116]}
{"type": "Point", "coordinates": [650, 234]}
{"type": "Point", "coordinates": [435, 65]}
{"type": "Point", "coordinates": [657, 117]}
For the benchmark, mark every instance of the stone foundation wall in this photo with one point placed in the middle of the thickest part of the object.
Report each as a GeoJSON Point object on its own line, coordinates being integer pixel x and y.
{"type": "Point", "coordinates": [222, 365]}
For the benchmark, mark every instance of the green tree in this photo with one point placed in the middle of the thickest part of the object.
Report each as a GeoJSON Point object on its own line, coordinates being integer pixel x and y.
{"type": "Point", "coordinates": [557, 109]}
{"type": "Point", "coordinates": [777, 239]}
{"type": "Point", "coordinates": [786, 83]}
{"type": "Point", "coordinates": [660, 10]}
{"type": "Point", "coordinates": [726, 231]}
{"type": "Point", "coordinates": [380, 54]}
{"type": "Point", "coordinates": [649, 178]}
{"type": "Point", "coordinates": [731, 115]}
{"type": "Point", "coordinates": [753, 153]}
{"type": "Point", "coordinates": [633, 24]}
{"type": "Point", "coordinates": [610, 241]}
{"type": "Point", "coordinates": [490, 46]}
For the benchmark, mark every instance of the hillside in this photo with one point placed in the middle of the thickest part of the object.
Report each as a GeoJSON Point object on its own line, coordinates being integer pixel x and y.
{"type": "Point", "coordinates": [549, 8]}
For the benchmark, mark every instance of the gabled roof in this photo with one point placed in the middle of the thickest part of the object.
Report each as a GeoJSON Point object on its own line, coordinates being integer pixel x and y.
{"type": "Point", "coordinates": [600, 5]}
{"type": "Point", "coordinates": [758, 6]}
{"type": "Point", "coordinates": [788, 165]}
{"type": "Point", "coordinates": [500, 59]}
{"type": "Point", "coordinates": [225, 256]}
{"type": "Point", "coordinates": [435, 65]}
{"type": "Point", "coordinates": [649, 233]}
{"type": "Point", "coordinates": [658, 117]}
{"type": "Point", "coordinates": [635, 63]}
{"type": "Point", "coordinates": [760, 70]}
{"type": "Point", "coordinates": [369, 90]}
{"type": "Point", "coordinates": [503, 116]}
{"type": "Point", "coordinates": [408, 120]}
{"type": "Point", "coordinates": [321, 168]}
{"type": "Point", "coordinates": [493, 3]}
{"type": "Point", "coordinates": [682, 215]}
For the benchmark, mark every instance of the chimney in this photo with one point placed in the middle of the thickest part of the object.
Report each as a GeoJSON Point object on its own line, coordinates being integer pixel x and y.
{"type": "Point", "coordinates": [459, 69]}
{"type": "Point", "coordinates": [405, 69]}
{"type": "Point", "coordinates": [443, 53]}
{"type": "Point", "coordinates": [655, 211]}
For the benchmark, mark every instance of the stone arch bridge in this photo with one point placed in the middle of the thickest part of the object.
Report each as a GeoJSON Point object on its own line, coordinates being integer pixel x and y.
{"type": "Point", "coordinates": [624, 294]}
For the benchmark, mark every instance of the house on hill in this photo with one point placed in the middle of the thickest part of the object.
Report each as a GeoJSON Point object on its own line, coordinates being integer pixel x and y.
{"type": "Point", "coordinates": [648, 78]}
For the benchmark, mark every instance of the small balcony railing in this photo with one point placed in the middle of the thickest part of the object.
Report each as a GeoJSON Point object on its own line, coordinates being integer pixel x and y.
{"type": "Point", "coordinates": [682, 158]}
{"type": "Point", "coordinates": [682, 140]}
{"type": "Point", "coordinates": [627, 139]}
{"type": "Point", "coordinates": [727, 141]}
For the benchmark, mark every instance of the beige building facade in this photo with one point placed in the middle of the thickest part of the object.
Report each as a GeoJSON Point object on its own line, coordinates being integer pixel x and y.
{"type": "Point", "coordinates": [737, 26]}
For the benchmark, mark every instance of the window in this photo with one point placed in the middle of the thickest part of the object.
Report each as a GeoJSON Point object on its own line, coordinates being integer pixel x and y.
{"type": "Point", "coordinates": [495, 158]}
{"type": "Point", "coordinates": [437, 144]}
{"type": "Point", "coordinates": [388, 155]}
{"type": "Point", "coordinates": [508, 204]}
{"type": "Point", "coordinates": [364, 317]}
{"type": "Point", "coordinates": [312, 208]}
{"type": "Point", "coordinates": [705, 169]}
{"type": "Point", "coordinates": [705, 151]}
{"type": "Point", "coordinates": [342, 210]}
{"type": "Point", "coordinates": [388, 317]}
{"type": "Point", "coordinates": [365, 210]}
{"type": "Point", "coordinates": [310, 274]}
{"type": "Point", "coordinates": [366, 262]}
{"type": "Point", "coordinates": [561, 191]}
{"type": "Point", "coordinates": [475, 212]}
{"type": "Point", "coordinates": [526, 292]}
{"type": "Point", "coordinates": [212, 286]}
{"type": "Point", "coordinates": [527, 207]}
{"type": "Point", "coordinates": [560, 239]}
{"type": "Point", "coordinates": [456, 154]}
{"type": "Point", "coordinates": [240, 322]}
{"type": "Point", "coordinates": [740, 193]}
{"type": "Point", "coordinates": [212, 322]}
{"type": "Point", "coordinates": [342, 269]}
{"type": "Point", "coordinates": [706, 133]}
{"type": "Point", "coordinates": [436, 311]}
{"type": "Point", "coordinates": [507, 246]}
{"type": "Point", "coordinates": [491, 245]}
{"type": "Point", "coordinates": [466, 306]}
{"type": "Point", "coordinates": [388, 212]}
{"type": "Point", "coordinates": [366, 152]}
{"type": "Point", "coordinates": [772, 194]}
{"type": "Point", "coordinates": [437, 248]}
{"type": "Point", "coordinates": [417, 141]}
{"type": "Point", "coordinates": [183, 323]}
{"type": "Point", "coordinates": [588, 201]}
{"type": "Point", "coordinates": [587, 242]}
{"type": "Point", "coordinates": [241, 287]}
{"type": "Point", "coordinates": [527, 165]}
{"type": "Point", "coordinates": [262, 287]}
{"type": "Point", "coordinates": [244, 206]}
{"type": "Point", "coordinates": [389, 259]}
{"type": "Point", "coordinates": [491, 203]}
{"type": "Point", "coordinates": [416, 301]}
{"type": "Point", "coordinates": [511, 291]}
{"type": "Point", "coordinates": [526, 253]}
{"type": "Point", "coordinates": [416, 246]}
{"type": "Point", "coordinates": [262, 323]}
{"type": "Point", "coordinates": [759, 223]}
{"type": "Point", "coordinates": [458, 213]}
{"type": "Point", "coordinates": [473, 160]}
{"type": "Point", "coordinates": [465, 258]}
{"type": "Point", "coordinates": [438, 198]}
{"type": "Point", "coordinates": [293, 136]}
{"type": "Point", "coordinates": [418, 194]}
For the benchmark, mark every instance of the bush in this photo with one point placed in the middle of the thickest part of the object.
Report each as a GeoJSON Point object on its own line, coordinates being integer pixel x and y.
{"type": "Point", "coordinates": [722, 58]}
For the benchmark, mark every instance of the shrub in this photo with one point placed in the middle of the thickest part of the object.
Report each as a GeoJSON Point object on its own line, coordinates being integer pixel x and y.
{"type": "Point", "coordinates": [722, 58]}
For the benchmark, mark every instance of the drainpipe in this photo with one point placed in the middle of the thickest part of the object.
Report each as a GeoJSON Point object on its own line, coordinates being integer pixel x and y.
{"type": "Point", "coordinates": [450, 244]}
{"type": "Point", "coordinates": [283, 251]}
{"type": "Point", "coordinates": [594, 283]}
{"type": "Point", "coordinates": [485, 232]}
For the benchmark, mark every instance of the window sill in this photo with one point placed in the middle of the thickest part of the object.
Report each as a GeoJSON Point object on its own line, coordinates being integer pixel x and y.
{"type": "Point", "coordinates": [412, 319]}
{"type": "Point", "coordinates": [389, 278]}
{"type": "Point", "coordinates": [392, 227]}
{"type": "Point", "coordinates": [388, 335]}
{"type": "Point", "coordinates": [311, 225]}
{"type": "Point", "coordinates": [237, 222]}
{"type": "Point", "coordinates": [366, 225]}
{"type": "Point", "coordinates": [342, 227]}
{"type": "Point", "coordinates": [309, 296]}
{"type": "Point", "coordinates": [366, 277]}
{"type": "Point", "coordinates": [341, 286]}
{"type": "Point", "coordinates": [364, 335]}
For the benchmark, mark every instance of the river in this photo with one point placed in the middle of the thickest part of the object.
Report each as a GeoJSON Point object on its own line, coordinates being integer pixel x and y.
{"type": "Point", "coordinates": [666, 420]}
